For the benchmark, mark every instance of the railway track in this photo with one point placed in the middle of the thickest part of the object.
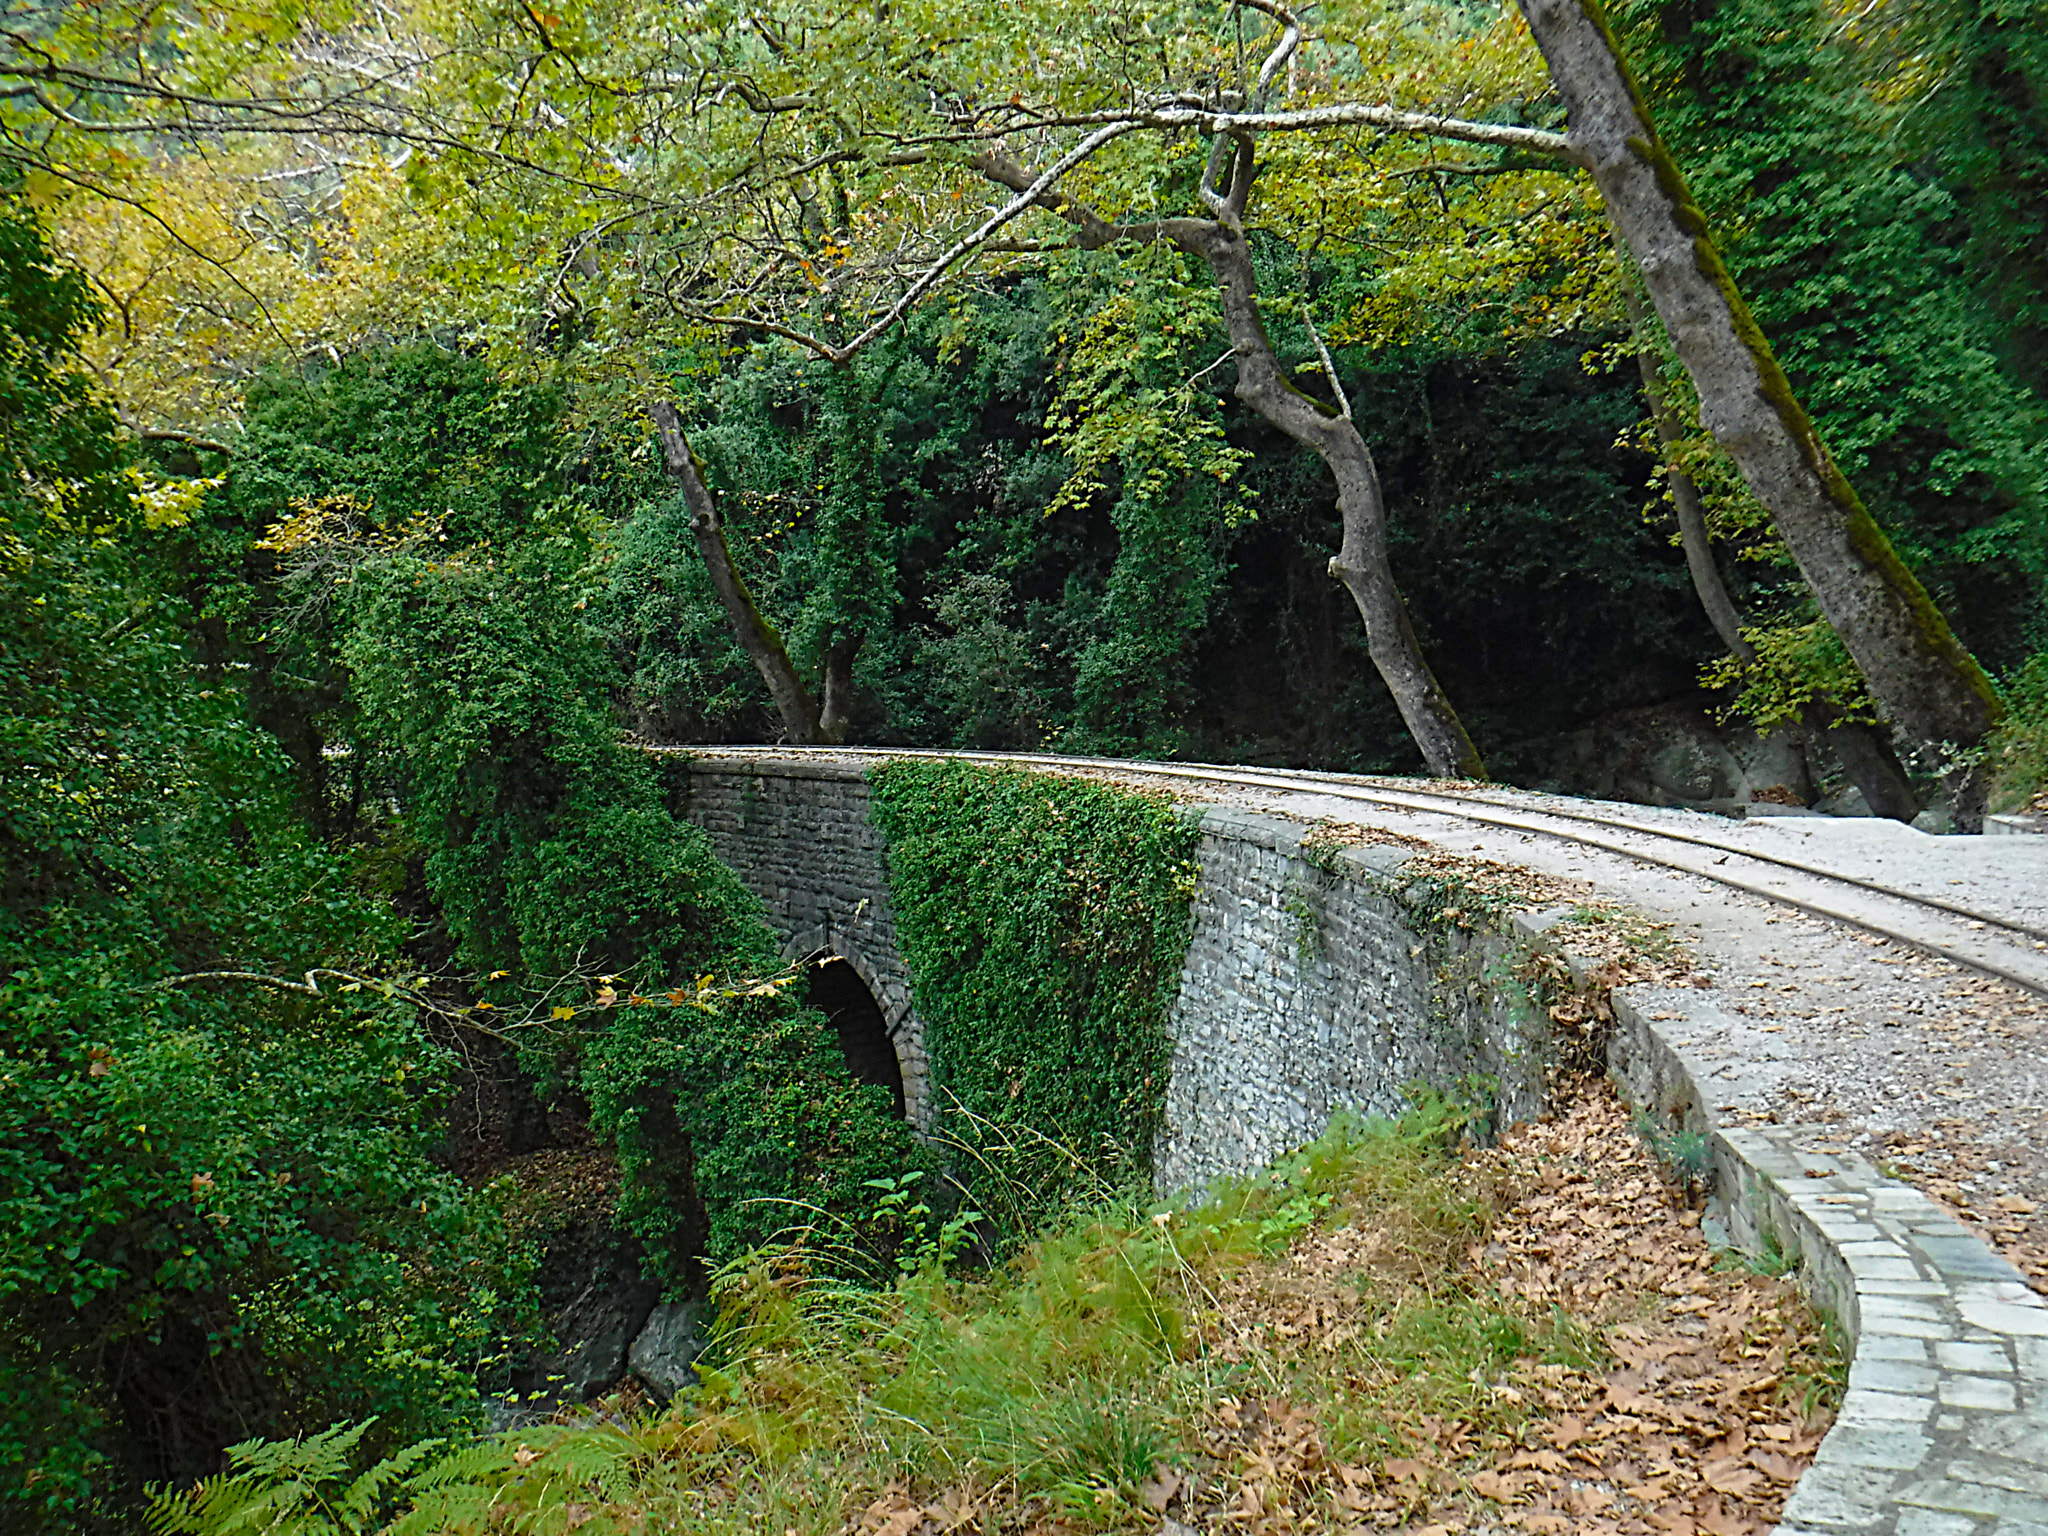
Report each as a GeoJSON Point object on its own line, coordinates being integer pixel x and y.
{"type": "Point", "coordinates": [1988, 943]}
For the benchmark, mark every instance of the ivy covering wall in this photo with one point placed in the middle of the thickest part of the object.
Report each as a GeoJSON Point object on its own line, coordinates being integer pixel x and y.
{"type": "Point", "coordinates": [1044, 921]}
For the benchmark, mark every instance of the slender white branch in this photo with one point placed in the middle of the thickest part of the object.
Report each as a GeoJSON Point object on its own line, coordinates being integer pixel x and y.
{"type": "Point", "coordinates": [1329, 367]}
{"type": "Point", "coordinates": [1341, 114]}
{"type": "Point", "coordinates": [1219, 156]}
{"type": "Point", "coordinates": [1228, 354]}
{"type": "Point", "coordinates": [1290, 40]}
{"type": "Point", "coordinates": [1047, 180]}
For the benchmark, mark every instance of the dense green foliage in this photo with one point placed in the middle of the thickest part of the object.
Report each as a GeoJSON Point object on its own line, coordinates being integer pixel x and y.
{"type": "Point", "coordinates": [348, 705]}
{"type": "Point", "coordinates": [1057, 1386]}
{"type": "Point", "coordinates": [218, 1209]}
{"type": "Point", "coordinates": [2019, 750]}
{"type": "Point", "coordinates": [228, 1204]}
{"type": "Point", "coordinates": [736, 1121]}
{"type": "Point", "coordinates": [1069, 571]}
{"type": "Point", "coordinates": [1044, 921]}
{"type": "Point", "coordinates": [1983, 126]}
{"type": "Point", "coordinates": [1889, 290]}
{"type": "Point", "coordinates": [405, 554]}
{"type": "Point", "coordinates": [440, 548]}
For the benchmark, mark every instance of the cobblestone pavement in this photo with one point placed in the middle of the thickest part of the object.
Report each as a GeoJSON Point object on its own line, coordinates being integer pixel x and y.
{"type": "Point", "coordinates": [1944, 1431]}
{"type": "Point", "coordinates": [1944, 1428]}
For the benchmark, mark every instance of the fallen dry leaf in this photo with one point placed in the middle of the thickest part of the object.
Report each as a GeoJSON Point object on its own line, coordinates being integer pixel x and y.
{"type": "Point", "coordinates": [1676, 1420]}
{"type": "Point", "coordinates": [1158, 1490]}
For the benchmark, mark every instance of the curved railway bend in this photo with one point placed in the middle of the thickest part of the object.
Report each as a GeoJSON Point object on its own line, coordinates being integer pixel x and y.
{"type": "Point", "coordinates": [1882, 989]}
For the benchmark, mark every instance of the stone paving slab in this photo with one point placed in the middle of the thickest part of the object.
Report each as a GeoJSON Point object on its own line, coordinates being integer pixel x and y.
{"type": "Point", "coordinates": [1944, 1428]}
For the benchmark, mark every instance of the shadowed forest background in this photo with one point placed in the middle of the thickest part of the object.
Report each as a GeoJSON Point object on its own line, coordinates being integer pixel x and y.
{"type": "Point", "coordinates": [346, 559]}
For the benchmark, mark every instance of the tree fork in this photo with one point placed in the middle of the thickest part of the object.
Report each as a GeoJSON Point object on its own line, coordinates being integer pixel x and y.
{"type": "Point", "coordinates": [1361, 561]}
{"type": "Point", "coordinates": [1915, 666]}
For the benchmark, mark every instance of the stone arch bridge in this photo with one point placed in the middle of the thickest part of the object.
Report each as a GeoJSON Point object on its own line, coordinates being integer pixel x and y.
{"type": "Point", "coordinates": [1303, 991]}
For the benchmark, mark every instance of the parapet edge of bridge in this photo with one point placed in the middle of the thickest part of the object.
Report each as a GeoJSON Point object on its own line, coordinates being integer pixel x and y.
{"type": "Point", "coordinates": [1944, 1427]}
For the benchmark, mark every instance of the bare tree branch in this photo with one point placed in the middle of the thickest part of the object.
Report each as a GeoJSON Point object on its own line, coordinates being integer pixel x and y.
{"type": "Point", "coordinates": [1329, 367]}
{"type": "Point", "coordinates": [189, 439]}
{"type": "Point", "coordinates": [1342, 114]}
{"type": "Point", "coordinates": [1290, 40]}
{"type": "Point", "coordinates": [1021, 203]}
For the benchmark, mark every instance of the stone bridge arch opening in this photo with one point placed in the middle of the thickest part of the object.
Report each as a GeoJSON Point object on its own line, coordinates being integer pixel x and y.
{"type": "Point", "coordinates": [837, 990]}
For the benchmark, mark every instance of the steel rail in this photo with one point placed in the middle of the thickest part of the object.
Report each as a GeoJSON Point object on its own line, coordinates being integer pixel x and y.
{"type": "Point", "coordinates": [2031, 976]}
{"type": "Point", "coordinates": [1333, 780]}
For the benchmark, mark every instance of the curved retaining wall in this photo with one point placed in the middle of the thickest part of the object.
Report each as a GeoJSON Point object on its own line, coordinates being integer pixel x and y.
{"type": "Point", "coordinates": [1313, 982]}
{"type": "Point", "coordinates": [1944, 1431]}
{"type": "Point", "coordinates": [1312, 985]}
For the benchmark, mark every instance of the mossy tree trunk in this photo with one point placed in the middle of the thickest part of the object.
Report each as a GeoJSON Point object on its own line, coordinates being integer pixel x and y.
{"type": "Point", "coordinates": [760, 639]}
{"type": "Point", "coordinates": [1864, 753]}
{"type": "Point", "coordinates": [1914, 665]}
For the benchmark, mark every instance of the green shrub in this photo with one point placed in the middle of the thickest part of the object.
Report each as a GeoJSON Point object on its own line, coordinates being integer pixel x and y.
{"type": "Point", "coordinates": [554, 861]}
{"type": "Point", "coordinates": [218, 1206]}
{"type": "Point", "coordinates": [741, 1104]}
{"type": "Point", "coordinates": [1070, 1377]}
{"type": "Point", "coordinates": [2018, 750]}
{"type": "Point", "coordinates": [479, 699]}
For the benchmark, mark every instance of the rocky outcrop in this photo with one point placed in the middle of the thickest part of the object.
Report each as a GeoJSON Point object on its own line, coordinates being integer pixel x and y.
{"type": "Point", "coordinates": [664, 1353]}
{"type": "Point", "coordinates": [595, 1303]}
{"type": "Point", "coordinates": [1672, 754]}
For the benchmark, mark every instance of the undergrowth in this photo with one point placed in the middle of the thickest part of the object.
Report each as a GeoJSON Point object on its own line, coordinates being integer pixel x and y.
{"type": "Point", "coordinates": [2018, 749]}
{"type": "Point", "coordinates": [1349, 1338]}
{"type": "Point", "coordinates": [1067, 1383]}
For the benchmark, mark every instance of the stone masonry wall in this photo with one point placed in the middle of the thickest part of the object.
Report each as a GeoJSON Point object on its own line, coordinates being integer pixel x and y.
{"type": "Point", "coordinates": [1308, 987]}
{"type": "Point", "coordinates": [799, 836]}
{"type": "Point", "coordinates": [1311, 987]}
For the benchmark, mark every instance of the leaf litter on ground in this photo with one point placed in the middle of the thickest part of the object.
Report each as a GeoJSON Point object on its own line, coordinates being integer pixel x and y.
{"type": "Point", "coordinates": [1532, 1337]}
{"type": "Point", "coordinates": [1655, 1387]}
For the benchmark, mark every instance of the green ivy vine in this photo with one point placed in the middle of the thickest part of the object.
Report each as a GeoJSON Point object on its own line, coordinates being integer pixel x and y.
{"type": "Point", "coordinates": [1044, 921]}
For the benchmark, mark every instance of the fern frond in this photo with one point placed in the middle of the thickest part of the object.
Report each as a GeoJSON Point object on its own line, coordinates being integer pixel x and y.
{"type": "Point", "coordinates": [318, 1458]}
{"type": "Point", "coordinates": [451, 1509]}
{"type": "Point", "coordinates": [359, 1502]}
{"type": "Point", "coordinates": [243, 1504]}
{"type": "Point", "coordinates": [478, 1461]}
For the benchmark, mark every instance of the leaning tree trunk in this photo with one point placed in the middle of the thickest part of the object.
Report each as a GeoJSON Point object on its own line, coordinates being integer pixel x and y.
{"type": "Point", "coordinates": [1864, 753]}
{"type": "Point", "coordinates": [758, 638]}
{"type": "Point", "coordinates": [1361, 561]}
{"type": "Point", "coordinates": [1925, 679]}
